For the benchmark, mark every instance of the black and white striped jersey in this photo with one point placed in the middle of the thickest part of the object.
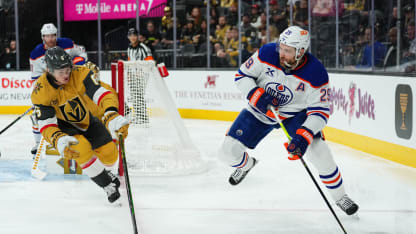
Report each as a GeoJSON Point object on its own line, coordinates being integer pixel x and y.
{"type": "Point", "coordinates": [139, 52]}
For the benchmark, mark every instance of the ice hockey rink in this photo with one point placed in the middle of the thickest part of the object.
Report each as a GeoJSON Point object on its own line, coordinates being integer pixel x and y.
{"type": "Point", "coordinates": [277, 196]}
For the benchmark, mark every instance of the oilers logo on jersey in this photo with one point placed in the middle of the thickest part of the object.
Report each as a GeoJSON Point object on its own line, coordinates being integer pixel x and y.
{"type": "Point", "coordinates": [283, 94]}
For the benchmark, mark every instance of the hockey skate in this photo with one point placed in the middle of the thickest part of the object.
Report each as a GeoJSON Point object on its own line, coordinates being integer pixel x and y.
{"type": "Point", "coordinates": [114, 179]}
{"type": "Point", "coordinates": [112, 192]}
{"type": "Point", "coordinates": [347, 205]}
{"type": "Point", "coordinates": [239, 174]}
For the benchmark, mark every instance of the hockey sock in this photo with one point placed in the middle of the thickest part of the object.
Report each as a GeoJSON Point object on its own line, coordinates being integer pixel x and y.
{"type": "Point", "coordinates": [246, 163]}
{"type": "Point", "coordinates": [333, 182]}
{"type": "Point", "coordinates": [93, 168]}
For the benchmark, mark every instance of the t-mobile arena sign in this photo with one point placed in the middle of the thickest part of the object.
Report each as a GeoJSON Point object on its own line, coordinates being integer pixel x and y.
{"type": "Point", "coordinates": [80, 10]}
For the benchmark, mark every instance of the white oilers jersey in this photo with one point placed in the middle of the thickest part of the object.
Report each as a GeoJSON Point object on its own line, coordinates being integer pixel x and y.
{"type": "Point", "coordinates": [37, 55]}
{"type": "Point", "coordinates": [302, 89]}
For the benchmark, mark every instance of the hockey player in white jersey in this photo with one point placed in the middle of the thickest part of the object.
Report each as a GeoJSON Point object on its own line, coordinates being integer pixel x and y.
{"type": "Point", "coordinates": [38, 64]}
{"type": "Point", "coordinates": [285, 77]}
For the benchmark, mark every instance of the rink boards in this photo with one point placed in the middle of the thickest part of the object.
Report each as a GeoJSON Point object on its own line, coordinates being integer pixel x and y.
{"type": "Point", "coordinates": [370, 113]}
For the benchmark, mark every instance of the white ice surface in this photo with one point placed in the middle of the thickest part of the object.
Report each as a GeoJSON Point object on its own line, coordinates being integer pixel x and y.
{"type": "Point", "coordinates": [276, 197]}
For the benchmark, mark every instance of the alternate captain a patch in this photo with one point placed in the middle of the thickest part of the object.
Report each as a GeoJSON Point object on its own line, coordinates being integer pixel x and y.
{"type": "Point", "coordinates": [73, 110]}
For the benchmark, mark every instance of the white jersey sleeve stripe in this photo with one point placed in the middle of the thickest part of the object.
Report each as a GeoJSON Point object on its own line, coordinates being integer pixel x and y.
{"type": "Point", "coordinates": [99, 94]}
{"type": "Point", "coordinates": [320, 114]}
{"type": "Point", "coordinates": [43, 124]}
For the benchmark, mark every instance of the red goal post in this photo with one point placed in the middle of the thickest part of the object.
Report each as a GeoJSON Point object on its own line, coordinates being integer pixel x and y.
{"type": "Point", "coordinates": [158, 141]}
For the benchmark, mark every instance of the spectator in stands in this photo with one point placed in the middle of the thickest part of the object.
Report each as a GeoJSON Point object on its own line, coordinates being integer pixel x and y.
{"type": "Point", "coordinates": [213, 19]}
{"type": "Point", "coordinates": [273, 34]}
{"type": "Point", "coordinates": [279, 17]}
{"type": "Point", "coordinates": [231, 45]}
{"type": "Point", "coordinates": [200, 37]}
{"type": "Point", "coordinates": [301, 14]}
{"type": "Point", "coordinates": [8, 59]}
{"type": "Point", "coordinates": [409, 14]}
{"type": "Point", "coordinates": [227, 3]}
{"type": "Point", "coordinates": [232, 16]}
{"type": "Point", "coordinates": [167, 29]}
{"type": "Point", "coordinates": [247, 29]}
{"type": "Point", "coordinates": [221, 29]}
{"type": "Point", "coordinates": [196, 17]}
{"type": "Point", "coordinates": [391, 55]}
{"type": "Point", "coordinates": [153, 37]}
{"type": "Point", "coordinates": [326, 8]}
{"type": "Point", "coordinates": [255, 15]}
{"type": "Point", "coordinates": [262, 22]}
{"type": "Point", "coordinates": [220, 57]}
{"type": "Point", "coordinates": [409, 55]}
{"type": "Point", "coordinates": [393, 21]}
{"type": "Point", "coordinates": [188, 32]}
{"type": "Point", "coordinates": [379, 51]}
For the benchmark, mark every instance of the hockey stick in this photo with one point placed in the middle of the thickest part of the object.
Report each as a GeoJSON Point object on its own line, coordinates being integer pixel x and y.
{"type": "Point", "coordinates": [35, 171]}
{"type": "Point", "coordinates": [309, 171]}
{"type": "Point", "coordinates": [128, 187]}
{"type": "Point", "coordinates": [17, 119]}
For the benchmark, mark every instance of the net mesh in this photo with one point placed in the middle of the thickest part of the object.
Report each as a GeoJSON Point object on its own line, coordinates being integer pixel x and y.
{"type": "Point", "coordinates": [158, 142]}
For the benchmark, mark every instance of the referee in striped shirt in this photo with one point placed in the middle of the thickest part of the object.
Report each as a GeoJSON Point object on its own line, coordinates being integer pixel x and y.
{"type": "Point", "coordinates": [137, 50]}
{"type": "Point", "coordinates": [137, 85]}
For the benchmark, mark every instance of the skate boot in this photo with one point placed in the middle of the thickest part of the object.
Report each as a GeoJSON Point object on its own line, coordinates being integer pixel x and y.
{"type": "Point", "coordinates": [112, 192]}
{"type": "Point", "coordinates": [34, 150]}
{"type": "Point", "coordinates": [239, 174]}
{"type": "Point", "coordinates": [109, 184]}
{"type": "Point", "coordinates": [347, 205]}
{"type": "Point", "coordinates": [114, 179]}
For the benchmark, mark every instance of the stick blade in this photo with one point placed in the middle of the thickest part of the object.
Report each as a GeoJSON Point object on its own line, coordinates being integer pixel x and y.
{"type": "Point", "coordinates": [38, 174]}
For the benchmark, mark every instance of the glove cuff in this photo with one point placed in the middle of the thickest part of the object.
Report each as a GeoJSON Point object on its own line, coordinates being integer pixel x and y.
{"type": "Point", "coordinates": [108, 116]}
{"type": "Point", "coordinates": [306, 134]}
{"type": "Point", "coordinates": [255, 96]}
{"type": "Point", "coordinates": [55, 137]}
{"type": "Point", "coordinates": [250, 94]}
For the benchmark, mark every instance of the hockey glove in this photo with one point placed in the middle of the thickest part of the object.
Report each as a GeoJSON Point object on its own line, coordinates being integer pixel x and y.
{"type": "Point", "coordinates": [94, 68]}
{"type": "Point", "coordinates": [259, 99]}
{"type": "Point", "coordinates": [78, 60]}
{"type": "Point", "coordinates": [300, 142]}
{"type": "Point", "coordinates": [64, 148]}
{"type": "Point", "coordinates": [116, 124]}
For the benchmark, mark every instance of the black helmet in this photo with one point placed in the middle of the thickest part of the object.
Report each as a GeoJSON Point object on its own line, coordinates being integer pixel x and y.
{"type": "Point", "coordinates": [132, 31]}
{"type": "Point", "coordinates": [57, 58]}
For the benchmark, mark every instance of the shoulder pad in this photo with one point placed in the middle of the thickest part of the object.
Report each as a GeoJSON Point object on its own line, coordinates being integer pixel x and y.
{"type": "Point", "coordinates": [313, 71]}
{"type": "Point", "coordinates": [37, 52]}
{"type": "Point", "coordinates": [268, 53]}
{"type": "Point", "coordinates": [65, 43]}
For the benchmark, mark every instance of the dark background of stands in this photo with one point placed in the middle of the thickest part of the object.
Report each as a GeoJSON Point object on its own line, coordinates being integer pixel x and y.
{"type": "Point", "coordinates": [344, 54]}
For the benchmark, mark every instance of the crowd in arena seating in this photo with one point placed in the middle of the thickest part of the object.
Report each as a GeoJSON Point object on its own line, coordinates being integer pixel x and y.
{"type": "Point", "coordinates": [355, 30]}
{"type": "Point", "coordinates": [355, 47]}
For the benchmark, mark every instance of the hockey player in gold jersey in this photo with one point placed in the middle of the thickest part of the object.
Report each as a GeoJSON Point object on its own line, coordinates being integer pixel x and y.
{"type": "Point", "coordinates": [64, 98]}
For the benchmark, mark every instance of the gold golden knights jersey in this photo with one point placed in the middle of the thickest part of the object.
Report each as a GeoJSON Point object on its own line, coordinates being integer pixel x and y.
{"type": "Point", "coordinates": [74, 103]}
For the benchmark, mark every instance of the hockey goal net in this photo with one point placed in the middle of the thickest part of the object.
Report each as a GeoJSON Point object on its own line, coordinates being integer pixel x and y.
{"type": "Point", "coordinates": [158, 142]}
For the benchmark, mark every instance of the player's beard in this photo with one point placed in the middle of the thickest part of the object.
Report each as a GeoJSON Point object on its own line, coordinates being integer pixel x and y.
{"type": "Point", "coordinates": [50, 44]}
{"type": "Point", "coordinates": [290, 64]}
